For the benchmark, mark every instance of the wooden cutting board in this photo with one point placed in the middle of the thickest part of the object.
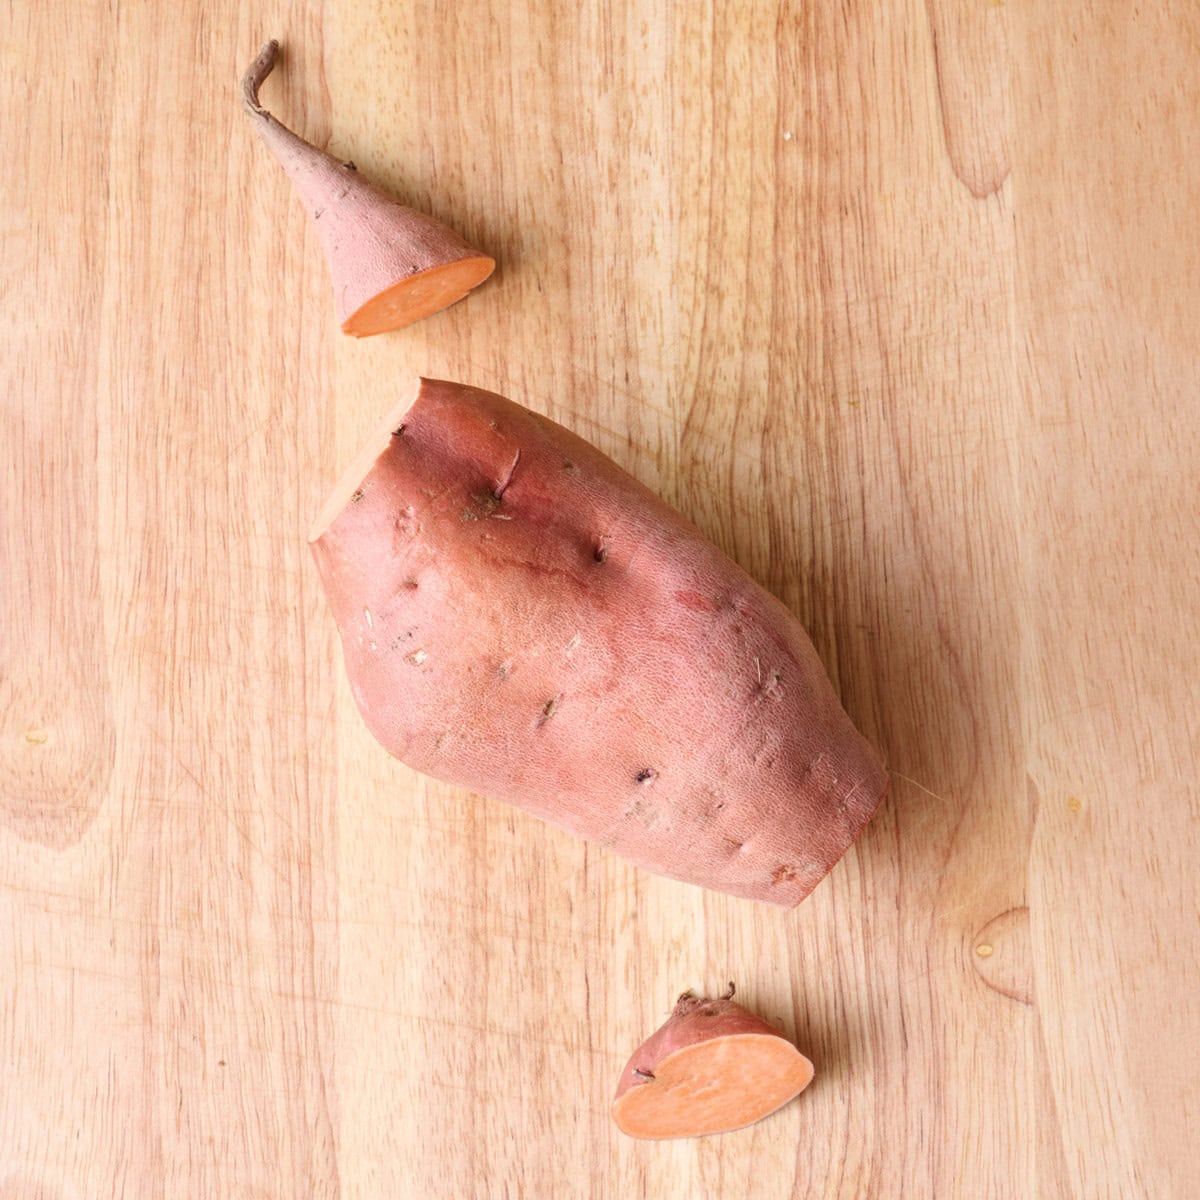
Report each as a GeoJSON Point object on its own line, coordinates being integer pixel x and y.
{"type": "Point", "coordinates": [899, 303]}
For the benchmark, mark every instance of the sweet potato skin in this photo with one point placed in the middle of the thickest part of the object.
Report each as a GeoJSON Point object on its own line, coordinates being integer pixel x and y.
{"type": "Point", "coordinates": [522, 618]}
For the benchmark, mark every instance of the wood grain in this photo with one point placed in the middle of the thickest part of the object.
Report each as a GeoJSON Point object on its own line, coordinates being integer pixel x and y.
{"type": "Point", "coordinates": [897, 302]}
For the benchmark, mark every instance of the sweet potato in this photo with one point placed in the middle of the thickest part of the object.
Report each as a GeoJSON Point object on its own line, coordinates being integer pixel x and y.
{"type": "Point", "coordinates": [713, 1067]}
{"type": "Point", "coordinates": [521, 617]}
{"type": "Point", "coordinates": [390, 264]}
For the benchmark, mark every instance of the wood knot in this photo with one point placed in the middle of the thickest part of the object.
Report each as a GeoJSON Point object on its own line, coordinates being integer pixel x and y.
{"type": "Point", "coordinates": [1002, 955]}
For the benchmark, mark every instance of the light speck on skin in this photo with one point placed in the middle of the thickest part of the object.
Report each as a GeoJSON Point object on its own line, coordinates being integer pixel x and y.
{"type": "Point", "coordinates": [984, 950]}
{"type": "Point", "coordinates": [36, 737]}
{"type": "Point", "coordinates": [417, 657]}
{"type": "Point", "coordinates": [368, 618]}
{"type": "Point", "coordinates": [787, 135]}
{"type": "Point", "coordinates": [572, 645]}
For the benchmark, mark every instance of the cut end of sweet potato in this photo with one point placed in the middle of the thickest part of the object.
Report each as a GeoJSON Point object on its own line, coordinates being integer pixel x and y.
{"type": "Point", "coordinates": [714, 1086]}
{"type": "Point", "coordinates": [348, 484]}
{"type": "Point", "coordinates": [418, 296]}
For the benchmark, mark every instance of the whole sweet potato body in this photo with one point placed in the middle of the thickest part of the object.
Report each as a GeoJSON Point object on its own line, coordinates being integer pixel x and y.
{"type": "Point", "coordinates": [522, 618]}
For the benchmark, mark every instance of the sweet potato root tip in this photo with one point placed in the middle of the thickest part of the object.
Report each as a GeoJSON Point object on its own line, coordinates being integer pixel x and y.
{"type": "Point", "coordinates": [258, 70]}
{"type": "Point", "coordinates": [389, 264]}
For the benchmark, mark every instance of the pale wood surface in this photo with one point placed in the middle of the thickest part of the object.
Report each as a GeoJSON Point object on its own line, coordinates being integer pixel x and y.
{"type": "Point", "coordinates": [899, 302]}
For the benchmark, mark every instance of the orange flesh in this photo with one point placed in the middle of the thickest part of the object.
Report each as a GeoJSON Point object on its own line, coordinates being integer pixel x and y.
{"type": "Point", "coordinates": [715, 1086]}
{"type": "Point", "coordinates": [418, 296]}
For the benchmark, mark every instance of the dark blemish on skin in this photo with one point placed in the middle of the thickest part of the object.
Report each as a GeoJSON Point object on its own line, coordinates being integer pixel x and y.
{"type": "Point", "coordinates": [571, 468]}
{"type": "Point", "coordinates": [645, 775]}
{"type": "Point", "coordinates": [783, 874]}
{"type": "Point", "coordinates": [600, 554]}
{"type": "Point", "coordinates": [399, 431]}
{"type": "Point", "coordinates": [549, 709]}
{"type": "Point", "coordinates": [642, 1075]}
{"type": "Point", "coordinates": [411, 584]}
{"type": "Point", "coordinates": [504, 670]}
{"type": "Point", "coordinates": [485, 503]}
{"type": "Point", "coordinates": [349, 166]}
{"type": "Point", "coordinates": [357, 496]}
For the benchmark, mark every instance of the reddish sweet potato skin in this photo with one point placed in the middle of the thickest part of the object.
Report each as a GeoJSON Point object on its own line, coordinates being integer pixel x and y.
{"type": "Point", "coordinates": [522, 618]}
